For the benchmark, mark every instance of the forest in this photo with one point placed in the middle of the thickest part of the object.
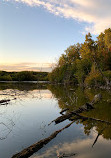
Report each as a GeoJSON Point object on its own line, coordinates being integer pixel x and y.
{"type": "Point", "coordinates": [86, 64]}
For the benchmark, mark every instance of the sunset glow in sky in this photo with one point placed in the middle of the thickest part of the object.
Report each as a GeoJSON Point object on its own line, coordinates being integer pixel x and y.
{"type": "Point", "coordinates": [34, 33]}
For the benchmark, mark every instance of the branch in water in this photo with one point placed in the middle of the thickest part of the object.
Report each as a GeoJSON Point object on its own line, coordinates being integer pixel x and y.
{"type": "Point", "coordinates": [37, 146]}
{"type": "Point", "coordinates": [86, 107]}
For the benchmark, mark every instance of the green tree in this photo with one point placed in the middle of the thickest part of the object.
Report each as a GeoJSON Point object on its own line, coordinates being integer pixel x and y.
{"type": "Point", "coordinates": [104, 49]}
{"type": "Point", "coordinates": [88, 48]}
{"type": "Point", "coordinates": [25, 76]}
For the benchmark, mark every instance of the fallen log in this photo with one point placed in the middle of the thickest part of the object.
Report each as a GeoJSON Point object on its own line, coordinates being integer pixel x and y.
{"type": "Point", "coordinates": [37, 146]}
{"type": "Point", "coordinates": [86, 107]}
{"type": "Point", "coordinates": [4, 101]}
{"type": "Point", "coordinates": [90, 118]}
{"type": "Point", "coordinates": [64, 110]}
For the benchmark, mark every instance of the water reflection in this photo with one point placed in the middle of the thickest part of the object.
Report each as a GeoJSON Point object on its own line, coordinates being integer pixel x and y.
{"type": "Point", "coordinates": [73, 99]}
{"type": "Point", "coordinates": [82, 147]}
{"type": "Point", "coordinates": [24, 120]}
{"type": "Point", "coordinates": [22, 86]}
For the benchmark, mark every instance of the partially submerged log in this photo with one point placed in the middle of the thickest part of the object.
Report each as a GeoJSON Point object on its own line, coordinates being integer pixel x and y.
{"type": "Point", "coordinates": [4, 101]}
{"type": "Point", "coordinates": [86, 107]}
{"type": "Point", "coordinates": [96, 99]}
{"type": "Point", "coordinates": [37, 146]}
{"type": "Point", "coordinates": [90, 118]}
{"type": "Point", "coordinates": [64, 110]}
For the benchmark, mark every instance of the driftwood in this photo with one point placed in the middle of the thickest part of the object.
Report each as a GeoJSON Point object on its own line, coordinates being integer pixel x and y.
{"type": "Point", "coordinates": [90, 118]}
{"type": "Point", "coordinates": [37, 146]}
{"type": "Point", "coordinates": [64, 110]}
{"type": "Point", "coordinates": [86, 107]}
{"type": "Point", "coordinates": [4, 101]}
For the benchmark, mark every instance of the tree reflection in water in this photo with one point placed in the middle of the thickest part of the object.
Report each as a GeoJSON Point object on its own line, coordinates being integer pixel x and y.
{"type": "Point", "coordinates": [68, 97]}
{"type": "Point", "coordinates": [80, 96]}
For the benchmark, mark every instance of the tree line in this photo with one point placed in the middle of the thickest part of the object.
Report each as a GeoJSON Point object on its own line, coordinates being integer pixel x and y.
{"type": "Point", "coordinates": [23, 76]}
{"type": "Point", "coordinates": [88, 63]}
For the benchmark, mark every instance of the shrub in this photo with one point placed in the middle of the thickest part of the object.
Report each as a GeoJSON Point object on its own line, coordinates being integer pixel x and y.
{"type": "Point", "coordinates": [95, 79]}
{"type": "Point", "coordinates": [5, 78]}
{"type": "Point", "coordinates": [24, 76]}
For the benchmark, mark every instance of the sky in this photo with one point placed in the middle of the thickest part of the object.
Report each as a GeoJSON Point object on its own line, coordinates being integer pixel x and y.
{"type": "Point", "coordinates": [34, 33]}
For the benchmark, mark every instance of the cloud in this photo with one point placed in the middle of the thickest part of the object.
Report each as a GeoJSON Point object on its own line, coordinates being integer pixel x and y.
{"type": "Point", "coordinates": [83, 148]}
{"type": "Point", "coordinates": [47, 67]}
{"type": "Point", "coordinates": [97, 13]}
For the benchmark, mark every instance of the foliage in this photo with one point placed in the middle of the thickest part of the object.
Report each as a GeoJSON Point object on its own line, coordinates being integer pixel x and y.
{"type": "Point", "coordinates": [83, 69]}
{"type": "Point", "coordinates": [104, 49]}
{"type": "Point", "coordinates": [75, 65]}
{"type": "Point", "coordinates": [95, 79]}
{"type": "Point", "coordinates": [23, 76]}
{"type": "Point", "coordinates": [5, 78]}
{"type": "Point", "coordinates": [88, 48]}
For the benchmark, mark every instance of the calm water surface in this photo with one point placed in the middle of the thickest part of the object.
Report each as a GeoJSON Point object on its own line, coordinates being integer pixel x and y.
{"type": "Point", "coordinates": [33, 106]}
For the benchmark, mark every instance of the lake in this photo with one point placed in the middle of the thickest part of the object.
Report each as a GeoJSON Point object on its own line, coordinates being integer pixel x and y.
{"type": "Point", "coordinates": [25, 120]}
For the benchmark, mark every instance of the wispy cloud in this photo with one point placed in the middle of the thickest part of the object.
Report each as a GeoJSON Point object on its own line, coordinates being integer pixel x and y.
{"type": "Point", "coordinates": [81, 146]}
{"type": "Point", "coordinates": [95, 12]}
{"type": "Point", "coordinates": [47, 67]}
